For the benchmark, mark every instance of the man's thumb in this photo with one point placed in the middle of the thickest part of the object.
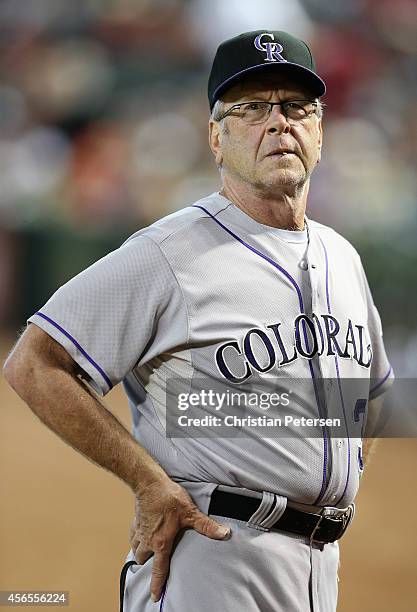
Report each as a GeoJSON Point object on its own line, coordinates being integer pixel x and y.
{"type": "Point", "coordinates": [210, 528]}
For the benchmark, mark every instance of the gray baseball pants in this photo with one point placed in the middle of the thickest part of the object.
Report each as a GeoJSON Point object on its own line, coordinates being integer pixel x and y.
{"type": "Point", "coordinates": [253, 571]}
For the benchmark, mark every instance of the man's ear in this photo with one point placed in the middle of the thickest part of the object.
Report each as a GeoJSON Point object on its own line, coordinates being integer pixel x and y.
{"type": "Point", "coordinates": [320, 140]}
{"type": "Point", "coordinates": [215, 141]}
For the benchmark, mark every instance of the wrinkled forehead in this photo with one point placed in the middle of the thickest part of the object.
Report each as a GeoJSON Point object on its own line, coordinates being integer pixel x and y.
{"type": "Point", "coordinates": [264, 84]}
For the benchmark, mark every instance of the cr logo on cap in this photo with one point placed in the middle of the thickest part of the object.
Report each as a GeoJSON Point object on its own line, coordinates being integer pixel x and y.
{"type": "Point", "coordinates": [273, 50]}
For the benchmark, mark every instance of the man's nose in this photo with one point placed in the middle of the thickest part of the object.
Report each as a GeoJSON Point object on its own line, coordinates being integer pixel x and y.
{"type": "Point", "coordinates": [277, 121]}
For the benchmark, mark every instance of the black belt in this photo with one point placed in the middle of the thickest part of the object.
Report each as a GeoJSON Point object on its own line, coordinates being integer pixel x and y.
{"type": "Point", "coordinates": [319, 528]}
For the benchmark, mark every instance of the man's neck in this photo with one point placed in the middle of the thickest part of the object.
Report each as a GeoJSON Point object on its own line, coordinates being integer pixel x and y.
{"type": "Point", "coordinates": [281, 210]}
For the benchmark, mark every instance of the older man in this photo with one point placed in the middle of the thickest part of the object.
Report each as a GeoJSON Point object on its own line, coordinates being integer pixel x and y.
{"type": "Point", "coordinates": [243, 292]}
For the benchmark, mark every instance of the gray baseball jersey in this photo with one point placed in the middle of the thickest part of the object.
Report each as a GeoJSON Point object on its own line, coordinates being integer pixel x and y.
{"type": "Point", "coordinates": [209, 292]}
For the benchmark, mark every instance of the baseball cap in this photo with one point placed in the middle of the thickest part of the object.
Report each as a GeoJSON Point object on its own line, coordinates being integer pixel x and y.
{"type": "Point", "coordinates": [259, 51]}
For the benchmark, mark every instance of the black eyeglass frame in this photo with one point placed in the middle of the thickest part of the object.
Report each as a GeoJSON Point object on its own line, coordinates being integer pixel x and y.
{"type": "Point", "coordinates": [283, 104]}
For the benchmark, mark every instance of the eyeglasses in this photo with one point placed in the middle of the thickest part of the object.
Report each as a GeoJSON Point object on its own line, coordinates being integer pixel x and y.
{"type": "Point", "coordinates": [258, 112]}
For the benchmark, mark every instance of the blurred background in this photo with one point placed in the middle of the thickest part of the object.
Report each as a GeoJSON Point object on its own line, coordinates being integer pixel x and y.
{"type": "Point", "coordinates": [103, 129]}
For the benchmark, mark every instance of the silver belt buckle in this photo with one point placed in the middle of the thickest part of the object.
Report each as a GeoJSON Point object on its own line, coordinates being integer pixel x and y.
{"type": "Point", "coordinates": [342, 516]}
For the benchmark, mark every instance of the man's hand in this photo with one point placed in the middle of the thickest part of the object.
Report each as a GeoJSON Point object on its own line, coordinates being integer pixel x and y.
{"type": "Point", "coordinates": [163, 509]}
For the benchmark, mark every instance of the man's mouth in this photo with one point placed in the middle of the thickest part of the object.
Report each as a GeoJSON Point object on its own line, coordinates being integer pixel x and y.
{"type": "Point", "coordinates": [280, 153]}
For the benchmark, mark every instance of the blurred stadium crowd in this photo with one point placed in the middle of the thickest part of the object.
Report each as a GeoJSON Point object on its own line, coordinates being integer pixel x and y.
{"type": "Point", "coordinates": [103, 116]}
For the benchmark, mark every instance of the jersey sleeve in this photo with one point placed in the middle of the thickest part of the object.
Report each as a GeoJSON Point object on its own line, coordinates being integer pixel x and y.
{"type": "Point", "coordinates": [117, 313]}
{"type": "Point", "coordinates": [382, 374]}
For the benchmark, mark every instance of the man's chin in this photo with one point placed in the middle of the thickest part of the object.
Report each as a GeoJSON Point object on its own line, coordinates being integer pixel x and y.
{"type": "Point", "coordinates": [284, 177]}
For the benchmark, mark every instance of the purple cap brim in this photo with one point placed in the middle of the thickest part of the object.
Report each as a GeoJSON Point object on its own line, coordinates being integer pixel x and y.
{"type": "Point", "coordinates": [306, 75]}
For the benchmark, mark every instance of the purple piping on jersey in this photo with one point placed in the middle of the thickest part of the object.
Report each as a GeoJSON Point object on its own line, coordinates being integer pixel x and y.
{"type": "Point", "coordinates": [248, 246]}
{"type": "Point", "coordinates": [301, 303]}
{"type": "Point", "coordinates": [382, 381]}
{"type": "Point", "coordinates": [79, 347]}
{"type": "Point", "coordinates": [338, 374]}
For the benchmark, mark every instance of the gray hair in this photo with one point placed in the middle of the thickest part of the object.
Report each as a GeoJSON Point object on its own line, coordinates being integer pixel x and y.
{"type": "Point", "coordinates": [217, 114]}
{"type": "Point", "coordinates": [218, 110]}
